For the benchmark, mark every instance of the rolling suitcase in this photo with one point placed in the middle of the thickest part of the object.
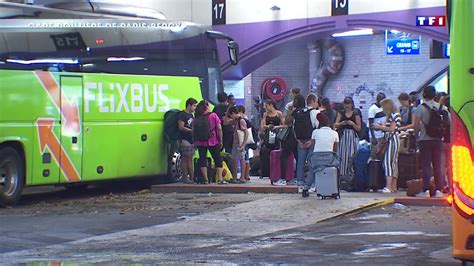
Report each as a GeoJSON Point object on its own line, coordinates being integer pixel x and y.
{"type": "Point", "coordinates": [327, 183]}
{"type": "Point", "coordinates": [275, 166]}
{"type": "Point", "coordinates": [408, 169]}
{"type": "Point", "coordinates": [361, 169]}
{"type": "Point", "coordinates": [376, 175]}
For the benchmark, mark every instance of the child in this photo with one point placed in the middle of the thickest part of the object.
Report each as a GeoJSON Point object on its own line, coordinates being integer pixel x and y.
{"type": "Point", "coordinates": [246, 168]}
{"type": "Point", "coordinates": [238, 149]}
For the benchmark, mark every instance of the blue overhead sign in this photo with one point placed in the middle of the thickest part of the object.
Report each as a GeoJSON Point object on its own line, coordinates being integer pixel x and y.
{"type": "Point", "coordinates": [403, 46]}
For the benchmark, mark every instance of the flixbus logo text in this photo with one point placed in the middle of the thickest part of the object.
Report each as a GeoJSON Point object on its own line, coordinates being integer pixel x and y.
{"type": "Point", "coordinates": [126, 97]}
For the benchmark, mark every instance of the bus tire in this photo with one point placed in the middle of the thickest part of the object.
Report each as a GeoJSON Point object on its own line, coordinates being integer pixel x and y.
{"type": "Point", "coordinates": [12, 176]}
{"type": "Point", "coordinates": [175, 174]}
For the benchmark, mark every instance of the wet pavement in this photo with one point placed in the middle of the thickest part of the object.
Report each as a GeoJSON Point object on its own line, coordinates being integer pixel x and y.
{"type": "Point", "coordinates": [136, 226]}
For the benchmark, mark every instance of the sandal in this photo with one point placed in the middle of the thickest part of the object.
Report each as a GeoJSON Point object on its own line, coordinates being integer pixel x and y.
{"type": "Point", "coordinates": [222, 182]}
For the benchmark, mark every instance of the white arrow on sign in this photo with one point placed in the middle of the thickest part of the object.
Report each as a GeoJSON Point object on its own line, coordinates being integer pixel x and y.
{"type": "Point", "coordinates": [390, 49]}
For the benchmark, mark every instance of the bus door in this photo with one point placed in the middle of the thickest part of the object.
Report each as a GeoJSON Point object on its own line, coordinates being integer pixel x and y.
{"type": "Point", "coordinates": [71, 129]}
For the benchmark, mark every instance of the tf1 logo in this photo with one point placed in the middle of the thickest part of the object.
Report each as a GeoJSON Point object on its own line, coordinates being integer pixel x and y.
{"type": "Point", "coordinates": [431, 21]}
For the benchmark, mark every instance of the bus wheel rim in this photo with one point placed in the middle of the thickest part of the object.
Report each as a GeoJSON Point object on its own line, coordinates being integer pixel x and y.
{"type": "Point", "coordinates": [9, 178]}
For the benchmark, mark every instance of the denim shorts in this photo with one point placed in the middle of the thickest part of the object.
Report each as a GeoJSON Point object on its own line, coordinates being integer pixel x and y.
{"type": "Point", "coordinates": [237, 154]}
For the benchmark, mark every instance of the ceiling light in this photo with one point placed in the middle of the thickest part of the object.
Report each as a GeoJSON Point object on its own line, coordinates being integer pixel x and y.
{"type": "Point", "coordinates": [118, 59]}
{"type": "Point", "coordinates": [275, 8]}
{"type": "Point", "coordinates": [357, 32]}
{"type": "Point", "coordinates": [44, 61]}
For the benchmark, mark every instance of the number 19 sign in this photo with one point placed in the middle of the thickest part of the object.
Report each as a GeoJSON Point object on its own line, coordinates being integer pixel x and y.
{"type": "Point", "coordinates": [218, 12]}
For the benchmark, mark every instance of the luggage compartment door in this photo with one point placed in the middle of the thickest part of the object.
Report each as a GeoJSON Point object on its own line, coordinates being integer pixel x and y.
{"type": "Point", "coordinates": [71, 129]}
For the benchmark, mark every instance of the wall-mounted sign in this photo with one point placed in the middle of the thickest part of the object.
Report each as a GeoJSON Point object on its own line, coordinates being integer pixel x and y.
{"type": "Point", "coordinates": [339, 7]}
{"type": "Point", "coordinates": [403, 46]}
{"type": "Point", "coordinates": [402, 43]}
{"type": "Point", "coordinates": [68, 41]}
{"type": "Point", "coordinates": [218, 12]}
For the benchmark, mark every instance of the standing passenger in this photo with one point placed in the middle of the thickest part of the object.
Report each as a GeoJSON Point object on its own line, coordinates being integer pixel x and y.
{"type": "Point", "coordinates": [325, 107]}
{"type": "Point", "coordinates": [289, 106]}
{"type": "Point", "coordinates": [390, 158]}
{"type": "Point", "coordinates": [271, 121]}
{"type": "Point", "coordinates": [305, 121]}
{"type": "Point", "coordinates": [207, 134]}
{"type": "Point", "coordinates": [186, 147]}
{"type": "Point", "coordinates": [376, 117]}
{"type": "Point", "coordinates": [430, 146]}
{"type": "Point", "coordinates": [238, 148]}
{"type": "Point", "coordinates": [348, 123]}
{"type": "Point", "coordinates": [246, 170]}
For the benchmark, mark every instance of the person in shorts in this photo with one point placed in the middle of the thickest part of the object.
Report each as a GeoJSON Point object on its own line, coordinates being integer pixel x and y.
{"type": "Point", "coordinates": [186, 147]}
{"type": "Point", "coordinates": [238, 147]}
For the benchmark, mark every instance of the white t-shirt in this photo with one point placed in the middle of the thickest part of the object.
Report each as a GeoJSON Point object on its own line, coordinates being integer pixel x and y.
{"type": "Point", "coordinates": [379, 117]}
{"type": "Point", "coordinates": [324, 139]}
{"type": "Point", "coordinates": [313, 114]}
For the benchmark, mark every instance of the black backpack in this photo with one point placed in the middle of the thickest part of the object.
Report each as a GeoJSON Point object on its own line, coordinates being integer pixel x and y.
{"type": "Point", "coordinates": [202, 128]}
{"type": "Point", "coordinates": [171, 125]}
{"type": "Point", "coordinates": [302, 125]}
{"type": "Point", "coordinates": [438, 123]}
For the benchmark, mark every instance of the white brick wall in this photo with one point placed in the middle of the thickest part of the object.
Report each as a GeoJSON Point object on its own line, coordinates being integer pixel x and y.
{"type": "Point", "coordinates": [365, 63]}
{"type": "Point", "coordinates": [292, 67]}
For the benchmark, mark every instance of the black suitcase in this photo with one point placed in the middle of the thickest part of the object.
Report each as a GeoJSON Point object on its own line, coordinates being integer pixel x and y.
{"type": "Point", "coordinates": [376, 175]}
{"type": "Point", "coordinates": [198, 178]}
{"type": "Point", "coordinates": [408, 169]}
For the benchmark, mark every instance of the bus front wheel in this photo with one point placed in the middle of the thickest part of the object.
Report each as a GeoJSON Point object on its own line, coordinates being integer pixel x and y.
{"type": "Point", "coordinates": [12, 176]}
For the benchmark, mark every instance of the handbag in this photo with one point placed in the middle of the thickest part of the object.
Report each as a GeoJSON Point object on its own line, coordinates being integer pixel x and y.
{"type": "Point", "coordinates": [241, 135]}
{"type": "Point", "coordinates": [283, 133]}
{"type": "Point", "coordinates": [381, 147]}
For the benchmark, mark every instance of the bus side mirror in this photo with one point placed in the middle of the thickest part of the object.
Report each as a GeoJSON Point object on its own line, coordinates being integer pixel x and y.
{"type": "Point", "coordinates": [233, 52]}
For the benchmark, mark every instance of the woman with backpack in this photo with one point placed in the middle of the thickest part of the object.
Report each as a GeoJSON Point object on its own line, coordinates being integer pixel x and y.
{"type": "Point", "coordinates": [348, 123]}
{"type": "Point", "coordinates": [272, 120]}
{"type": "Point", "coordinates": [207, 134]}
{"type": "Point", "coordinates": [390, 158]}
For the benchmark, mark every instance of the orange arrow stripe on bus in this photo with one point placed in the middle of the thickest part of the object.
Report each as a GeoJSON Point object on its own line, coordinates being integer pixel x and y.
{"type": "Point", "coordinates": [69, 110]}
{"type": "Point", "coordinates": [47, 138]}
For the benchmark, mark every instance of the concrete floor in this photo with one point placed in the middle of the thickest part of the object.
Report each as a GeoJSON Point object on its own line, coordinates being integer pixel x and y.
{"type": "Point", "coordinates": [132, 225]}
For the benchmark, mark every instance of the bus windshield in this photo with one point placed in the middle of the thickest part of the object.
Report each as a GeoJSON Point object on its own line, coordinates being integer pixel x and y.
{"type": "Point", "coordinates": [119, 51]}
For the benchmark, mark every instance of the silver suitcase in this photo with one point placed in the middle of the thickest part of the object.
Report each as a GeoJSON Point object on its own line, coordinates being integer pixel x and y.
{"type": "Point", "coordinates": [327, 183]}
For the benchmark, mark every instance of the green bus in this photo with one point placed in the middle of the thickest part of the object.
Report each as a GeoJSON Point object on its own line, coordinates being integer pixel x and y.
{"type": "Point", "coordinates": [79, 105]}
{"type": "Point", "coordinates": [461, 17]}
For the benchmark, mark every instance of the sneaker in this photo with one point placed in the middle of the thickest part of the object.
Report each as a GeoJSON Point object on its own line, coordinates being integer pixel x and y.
{"type": "Point", "coordinates": [386, 190]}
{"type": "Point", "coordinates": [281, 182]}
{"type": "Point", "coordinates": [300, 189]}
{"type": "Point", "coordinates": [292, 182]}
{"type": "Point", "coordinates": [312, 189]}
{"type": "Point", "coordinates": [423, 194]}
{"type": "Point", "coordinates": [439, 194]}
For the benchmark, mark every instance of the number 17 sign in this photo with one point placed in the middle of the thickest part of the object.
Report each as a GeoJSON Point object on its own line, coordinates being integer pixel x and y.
{"type": "Point", "coordinates": [218, 12]}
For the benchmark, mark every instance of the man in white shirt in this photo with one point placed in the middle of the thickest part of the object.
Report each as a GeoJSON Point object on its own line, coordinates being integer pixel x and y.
{"type": "Point", "coordinates": [376, 117]}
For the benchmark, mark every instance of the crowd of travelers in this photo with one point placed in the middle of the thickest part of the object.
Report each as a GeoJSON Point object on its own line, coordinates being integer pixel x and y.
{"type": "Point", "coordinates": [313, 126]}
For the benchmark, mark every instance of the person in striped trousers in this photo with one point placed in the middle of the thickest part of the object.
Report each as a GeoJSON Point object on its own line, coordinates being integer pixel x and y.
{"type": "Point", "coordinates": [348, 123]}
{"type": "Point", "coordinates": [391, 134]}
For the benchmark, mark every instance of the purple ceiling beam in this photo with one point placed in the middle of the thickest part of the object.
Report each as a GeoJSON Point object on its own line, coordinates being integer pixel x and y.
{"type": "Point", "coordinates": [260, 42]}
